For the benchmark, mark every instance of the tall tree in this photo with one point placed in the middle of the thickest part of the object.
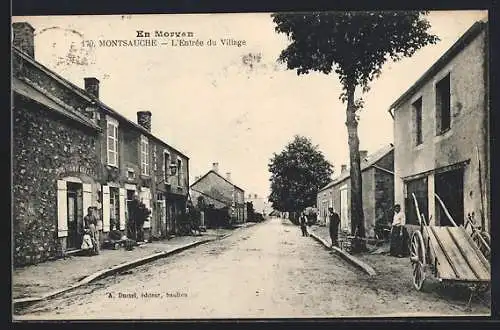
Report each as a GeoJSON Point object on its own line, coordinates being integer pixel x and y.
{"type": "Point", "coordinates": [354, 45]}
{"type": "Point", "coordinates": [297, 173]}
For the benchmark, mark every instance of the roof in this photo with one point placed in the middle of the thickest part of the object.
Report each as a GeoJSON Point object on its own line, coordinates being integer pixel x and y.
{"type": "Point", "coordinates": [83, 93]}
{"type": "Point", "coordinates": [39, 96]}
{"type": "Point", "coordinates": [370, 161]}
{"type": "Point", "coordinates": [453, 51]}
{"type": "Point", "coordinates": [212, 171]}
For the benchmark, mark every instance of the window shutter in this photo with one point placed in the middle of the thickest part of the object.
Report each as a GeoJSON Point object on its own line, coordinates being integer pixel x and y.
{"type": "Point", "coordinates": [145, 194]}
{"type": "Point", "coordinates": [123, 204]}
{"type": "Point", "coordinates": [62, 209]}
{"type": "Point", "coordinates": [87, 196]}
{"type": "Point", "coordinates": [105, 209]}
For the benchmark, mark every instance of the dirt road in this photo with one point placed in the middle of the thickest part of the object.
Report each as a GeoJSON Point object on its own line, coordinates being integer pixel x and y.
{"type": "Point", "coordinates": [268, 270]}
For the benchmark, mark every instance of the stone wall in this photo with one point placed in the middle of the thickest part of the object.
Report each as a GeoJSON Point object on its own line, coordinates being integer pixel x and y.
{"type": "Point", "coordinates": [43, 143]}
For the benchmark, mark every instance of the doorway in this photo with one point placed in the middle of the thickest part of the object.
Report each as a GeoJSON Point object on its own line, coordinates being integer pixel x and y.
{"type": "Point", "coordinates": [130, 222]}
{"type": "Point", "coordinates": [419, 188]}
{"type": "Point", "coordinates": [75, 214]}
{"type": "Point", "coordinates": [449, 186]}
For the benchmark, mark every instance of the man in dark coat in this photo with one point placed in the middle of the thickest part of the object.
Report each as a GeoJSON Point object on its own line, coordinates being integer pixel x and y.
{"type": "Point", "coordinates": [334, 222]}
{"type": "Point", "coordinates": [303, 223]}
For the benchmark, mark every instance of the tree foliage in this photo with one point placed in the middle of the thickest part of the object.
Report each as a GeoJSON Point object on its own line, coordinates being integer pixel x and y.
{"type": "Point", "coordinates": [297, 173]}
{"type": "Point", "coordinates": [354, 45]}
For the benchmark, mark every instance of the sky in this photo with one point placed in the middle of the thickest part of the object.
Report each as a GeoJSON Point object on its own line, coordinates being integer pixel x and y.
{"type": "Point", "coordinates": [207, 102]}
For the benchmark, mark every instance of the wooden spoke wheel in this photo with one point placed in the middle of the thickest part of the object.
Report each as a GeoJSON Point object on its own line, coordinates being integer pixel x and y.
{"type": "Point", "coordinates": [417, 257]}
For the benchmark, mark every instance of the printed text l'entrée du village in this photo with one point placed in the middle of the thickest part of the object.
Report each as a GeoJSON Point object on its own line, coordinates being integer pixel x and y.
{"type": "Point", "coordinates": [164, 38]}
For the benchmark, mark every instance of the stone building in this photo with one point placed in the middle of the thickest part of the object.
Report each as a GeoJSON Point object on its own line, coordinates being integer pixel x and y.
{"type": "Point", "coordinates": [220, 193]}
{"type": "Point", "coordinates": [378, 192]}
{"type": "Point", "coordinates": [134, 161]}
{"type": "Point", "coordinates": [441, 134]}
{"type": "Point", "coordinates": [71, 152]}
{"type": "Point", "coordinates": [54, 168]}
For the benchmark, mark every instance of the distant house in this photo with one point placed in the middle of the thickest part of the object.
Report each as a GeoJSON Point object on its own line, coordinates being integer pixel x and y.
{"type": "Point", "coordinates": [260, 203]}
{"type": "Point", "coordinates": [378, 191]}
{"type": "Point", "coordinates": [441, 135]}
{"type": "Point", "coordinates": [221, 195]}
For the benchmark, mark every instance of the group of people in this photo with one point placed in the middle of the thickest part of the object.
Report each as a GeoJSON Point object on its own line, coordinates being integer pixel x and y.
{"type": "Point", "coordinates": [399, 235]}
{"type": "Point", "coordinates": [139, 214]}
{"type": "Point", "coordinates": [334, 222]}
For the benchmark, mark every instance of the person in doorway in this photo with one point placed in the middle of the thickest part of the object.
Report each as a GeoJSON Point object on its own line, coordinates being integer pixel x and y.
{"type": "Point", "coordinates": [397, 232]}
{"type": "Point", "coordinates": [141, 215]}
{"type": "Point", "coordinates": [334, 222]}
{"type": "Point", "coordinates": [90, 224]}
{"type": "Point", "coordinates": [303, 223]}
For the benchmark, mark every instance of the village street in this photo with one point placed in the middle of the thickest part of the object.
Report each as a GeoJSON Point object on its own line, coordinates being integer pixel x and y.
{"type": "Point", "coordinates": [268, 270]}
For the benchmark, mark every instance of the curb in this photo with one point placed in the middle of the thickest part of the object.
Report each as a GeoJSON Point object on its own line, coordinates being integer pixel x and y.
{"type": "Point", "coordinates": [24, 302]}
{"type": "Point", "coordinates": [346, 256]}
{"type": "Point", "coordinates": [248, 225]}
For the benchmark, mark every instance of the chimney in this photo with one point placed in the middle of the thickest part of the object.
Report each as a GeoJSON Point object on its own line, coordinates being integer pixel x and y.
{"type": "Point", "coordinates": [228, 176]}
{"type": "Point", "coordinates": [92, 86]}
{"type": "Point", "coordinates": [215, 167]}
{"type": "Point", "coordinates": [255, 196]}
{"type": "Point", "coordinates": [144, 119]}
{"type": "Point", "coordinates": [24, 37]}
{"type": "Point", "coordinates": [343, 168]}
{"type": "Point", "coordinates": [363, 154]}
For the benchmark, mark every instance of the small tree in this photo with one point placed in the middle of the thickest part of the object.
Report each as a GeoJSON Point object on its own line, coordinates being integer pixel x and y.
{"type": "Point", "coordinates": [354, 45]}
{"type": "Point", "coordinates": [297, 173]}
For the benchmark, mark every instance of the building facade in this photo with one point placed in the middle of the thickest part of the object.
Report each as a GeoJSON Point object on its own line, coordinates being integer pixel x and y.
{"type": "Point", "coordinates": [71, 151]}
{"type": "Point", "coordinates": [378, 192]}
{"type": "Point", "coordinates": [221, 194]}
{"type": "Point", "coordinates": [134, 161]}
{"type": "Point", "coordinates": [55, 169]}
{"type": "Point", "coordinates": [446, 153]}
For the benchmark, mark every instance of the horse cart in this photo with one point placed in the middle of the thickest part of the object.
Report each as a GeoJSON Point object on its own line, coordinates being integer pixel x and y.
{"type": "Point", "coordinates": [451, 254]}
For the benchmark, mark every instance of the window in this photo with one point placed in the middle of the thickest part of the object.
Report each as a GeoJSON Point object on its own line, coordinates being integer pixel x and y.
{"type": "Point", "coordinates": [417, 109]}
{"type": "Point", "coordinates": [179, 172]}
{"type": "Point", "coordinates": [130, 174]}
{"type": "Point", "coordinates": [154, 157]}
{"type": "Point", "coordinates": [443, 111]}
{"type": "Point", "coordinates": [144, 156]}
{"type": "Point", "coordinates": [112, 141]}
{"type": "Point", "coordinates": [166, 165]}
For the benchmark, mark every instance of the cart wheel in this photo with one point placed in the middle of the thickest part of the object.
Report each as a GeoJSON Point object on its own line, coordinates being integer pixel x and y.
{"type": "Point", "coordinates": [417, 257]}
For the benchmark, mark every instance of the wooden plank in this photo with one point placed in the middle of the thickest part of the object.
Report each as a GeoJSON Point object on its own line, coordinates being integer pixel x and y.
{"type": "Point", "coordinates": [457, 261]}
{"type": "Point", "coordinates": [467, 253]}
{"type": "Point", "coordinates": [444, 269]}
{"type": "Point", "coordinates": [474, 255]}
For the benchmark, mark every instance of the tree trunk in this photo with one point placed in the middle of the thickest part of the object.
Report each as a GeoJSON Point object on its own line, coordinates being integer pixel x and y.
{"type": "Point", "coordinates": [357, 216]}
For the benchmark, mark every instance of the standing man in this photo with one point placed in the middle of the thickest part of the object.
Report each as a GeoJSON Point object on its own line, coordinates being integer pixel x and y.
{"type": "Point", "coordinates": [397, 234]}
{"type": "Point", "coordinates": [334, 220]}
{"type": "Point", "coordinates": [141, 215]}
{"type": "Point", "coordinates": [303, 223]}
{"type": "Point", "coordinates": [90, 223]}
